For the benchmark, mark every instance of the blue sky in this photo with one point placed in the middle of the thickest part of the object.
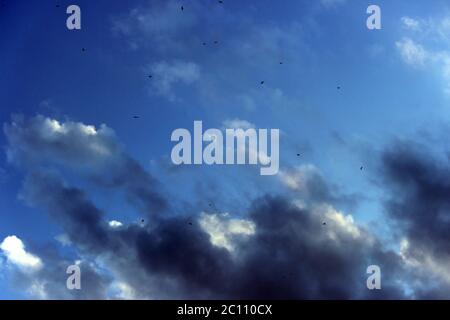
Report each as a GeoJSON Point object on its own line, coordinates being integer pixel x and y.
{"type": "Point", "coordinates": [394, 84]}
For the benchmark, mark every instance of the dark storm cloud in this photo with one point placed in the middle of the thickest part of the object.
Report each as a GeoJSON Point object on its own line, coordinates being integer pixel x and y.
{"type": "Point", "coordinates": [94, 152]}
{"type": "Point", "coordinates": [290, 255]}
{"type": "Point", "coordinates": [69, 207]}
{"type": "Point", "coordinates": [418, 184]}
{"type": "Point", "coordinates": [420, 200]}
{"type": "Point", "coordinates": [302, 261]}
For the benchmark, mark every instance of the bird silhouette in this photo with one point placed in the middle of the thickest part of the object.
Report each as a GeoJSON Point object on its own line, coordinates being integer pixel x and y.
{"type": "Point", "coordinates": [213, 206]}
{"type": "Point", "coordinates": [262, 82]}
{"type": "Point", "coordinates": [324, 223]}
{"type": "Point", "coordinates": [182, 8]}
{"type": "Point", "coordinates": [361, 168]}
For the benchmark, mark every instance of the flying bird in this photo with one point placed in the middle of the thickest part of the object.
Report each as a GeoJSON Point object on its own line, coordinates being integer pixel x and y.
{"type": "Point", "coordinates": [83, 49]}
{"type": "Point", "coordinates": [298, 154]}
{"type": "Point", "coordinates": [182, 8]}
{"type": "Point", "coordinates": [216, 42]}
{"type": "Point", "coordinates": [262, 82]}
{"type": "Point", "coordinates": [361, 168]}
{"type": "Point", "coordinates": [136, 117]}
{"type": "Point", "coordinates": [324, 223]}
{"type": "Point", "coordinates": [212, 206]}
{"type": "Point", "coordinates": [338, 87]}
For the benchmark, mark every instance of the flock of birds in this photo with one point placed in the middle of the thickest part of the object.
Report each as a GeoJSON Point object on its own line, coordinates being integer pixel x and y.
{"type": "Point", "coordinates": [262, 83]}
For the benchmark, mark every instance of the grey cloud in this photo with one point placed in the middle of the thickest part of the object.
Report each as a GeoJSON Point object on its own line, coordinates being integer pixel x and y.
{"type": "Point", "coordinates": [291, 255]}
{"type": "Point", "coordinates": [40, 142]}
{"type": "Point", "coordinates": [418, 184]}
{"type": "Point", "coordinates": [49, 282]}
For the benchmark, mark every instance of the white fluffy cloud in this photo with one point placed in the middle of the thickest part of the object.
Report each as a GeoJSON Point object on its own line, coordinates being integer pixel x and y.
{"type": "Point", "coordinates": [341, 222]}
{"type": "Point", "coordinates": [122, 290]}
{"type": "Point", "coordinates": [14, 250]}
{"type": "Point", "coordinates": [425, 262]}
{"type": "Point", "coordinates": [416, 55]}
{"type": "Point", "coordinates": [298, 179]}
{"type": "Point", "coordinates": [222, 229]}
{"type": "Point", "coordinates": [69, 142]}
{"type": "Point", "coordinates": [429, 46]}
{"type": "Point", "coordinates": [115, 224]}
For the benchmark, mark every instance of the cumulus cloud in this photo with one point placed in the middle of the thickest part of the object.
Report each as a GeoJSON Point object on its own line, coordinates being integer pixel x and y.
{"type": "Point", "coordinates": [92, 151]}
{"type": "Point", "coordinates": [292, 242]}
{"type": "Point", "coordinates": [278, 248]}
{"type": "Point", "coordinates": [222, 229]}
{"type": "Point", "coordinates": [70, 142]}
{"type": "Point", "coordinates": [344, 223]}
{"type": "Point", "coordinates": [419, 204]}
{"type": "Point", "coordinates": [14, 249]}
